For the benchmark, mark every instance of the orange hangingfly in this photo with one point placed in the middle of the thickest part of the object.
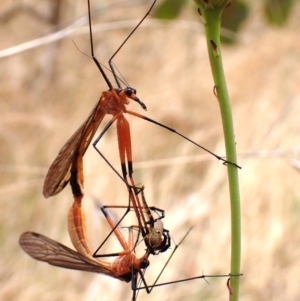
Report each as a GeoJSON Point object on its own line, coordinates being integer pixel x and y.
{"type": "Point", "coordinates": [114, 102]}
{"type": "Point", "coordinates": [126, 267]}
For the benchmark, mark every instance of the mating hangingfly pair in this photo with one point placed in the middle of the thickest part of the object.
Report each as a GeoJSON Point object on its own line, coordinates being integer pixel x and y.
{"type": "Point", "coordinates": [68, 168]}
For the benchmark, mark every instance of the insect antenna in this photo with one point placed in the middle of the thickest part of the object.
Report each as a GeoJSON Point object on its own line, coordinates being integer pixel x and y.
{"type": "Point", "coordinates": [122, 80]}
{"type": "Point", "coordinates": [135, 28]}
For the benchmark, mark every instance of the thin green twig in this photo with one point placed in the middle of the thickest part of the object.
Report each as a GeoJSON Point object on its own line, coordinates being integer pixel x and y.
{"type": "Point", "coordinates": [210, 12]}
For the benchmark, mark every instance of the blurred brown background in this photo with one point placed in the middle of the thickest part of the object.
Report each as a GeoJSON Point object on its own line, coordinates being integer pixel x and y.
{"type": "Point", "coordinates": [47, 92]}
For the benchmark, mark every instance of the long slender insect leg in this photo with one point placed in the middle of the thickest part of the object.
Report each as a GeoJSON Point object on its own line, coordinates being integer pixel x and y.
{"type": "Point", "coordinates": [183, 136]}
{"type": "Point", "coordinates": [114, 227]}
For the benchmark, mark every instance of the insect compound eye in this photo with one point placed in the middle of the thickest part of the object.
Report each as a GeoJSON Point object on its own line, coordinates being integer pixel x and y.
{"type": "Point", "coordinates": [129, 91]}
{"type": "Point", "coordinates": [145, 263]}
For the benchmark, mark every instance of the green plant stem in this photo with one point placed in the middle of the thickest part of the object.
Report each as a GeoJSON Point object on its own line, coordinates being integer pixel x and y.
{"type": "Point", "coordinates": [211, 19]}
